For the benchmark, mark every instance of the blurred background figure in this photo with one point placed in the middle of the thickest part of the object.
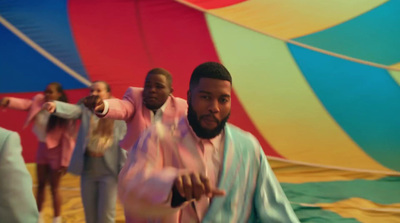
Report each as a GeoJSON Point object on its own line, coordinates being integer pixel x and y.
{"type": "Point", "coordinates": [140, 107]}
{"type": "Point", "coordinates": [17, 203]}
{"type": "Point", "coordinates": [56, 141]}
{"type": "Point", "coordinates": [97, 157]}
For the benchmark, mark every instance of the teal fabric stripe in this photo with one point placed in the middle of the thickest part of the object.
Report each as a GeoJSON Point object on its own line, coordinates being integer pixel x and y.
{"type": "Point", "coordinates": [382, 191]}
{"type": "Point", "coordinates": [363, 100]}
{"type": "Point", "coordinates": [319, 215]}
{"type": "Point", "coordinates": [373, 36]}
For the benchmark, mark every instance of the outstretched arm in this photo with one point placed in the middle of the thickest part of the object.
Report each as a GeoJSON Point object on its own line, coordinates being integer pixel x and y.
{"type": "Point", "coordinates": [16, 103]}
{"type": "Point", "coordinates": [113, 108]}
{"type": "Point", "coordinates": [63, 110]}
{"type": "Point", "coordinates": [144, 185]}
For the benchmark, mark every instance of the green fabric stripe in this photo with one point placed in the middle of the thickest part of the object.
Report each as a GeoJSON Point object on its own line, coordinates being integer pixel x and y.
{"type": "Point", "coordinates": [395, 75]}
{"type": "Point", "coordinates": [319, 215]}
{"type": "Point", "coordinates": [382, 191]}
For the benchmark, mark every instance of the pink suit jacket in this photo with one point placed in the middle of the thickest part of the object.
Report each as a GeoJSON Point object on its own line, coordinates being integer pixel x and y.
{"type": "Point", "coordinates": [65, 136]}
{"type": "Point", "coordinates": [137, 116]}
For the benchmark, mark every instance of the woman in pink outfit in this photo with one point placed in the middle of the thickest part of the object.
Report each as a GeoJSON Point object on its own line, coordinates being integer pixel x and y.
{"type": "Point", "coordinates": [56, 141]}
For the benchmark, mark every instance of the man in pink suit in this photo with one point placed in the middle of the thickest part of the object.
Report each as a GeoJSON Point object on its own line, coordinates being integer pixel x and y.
{"type": "Point", "coordinates": [140, 107]}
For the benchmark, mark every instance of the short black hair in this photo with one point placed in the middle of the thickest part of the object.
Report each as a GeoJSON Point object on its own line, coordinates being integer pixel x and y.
{"type": "Point", "coordinates": [159, 70]}
{"type": "Point", "coordinates": [209, 70]}
{"type": "Point", "coordinates": [108, 88]}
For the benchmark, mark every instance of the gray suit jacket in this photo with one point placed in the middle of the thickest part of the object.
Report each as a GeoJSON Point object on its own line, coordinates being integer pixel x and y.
{"type": "Point", "coordinates": [114, 157]}
{"type": "Point", "coordinates": [17, 203]}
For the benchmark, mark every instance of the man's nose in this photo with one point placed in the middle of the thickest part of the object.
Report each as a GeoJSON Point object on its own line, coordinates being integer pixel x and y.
{"type": "Point", "coordinates": [152, 89]}
{"type": "Point", "coordinates": [214, 106]}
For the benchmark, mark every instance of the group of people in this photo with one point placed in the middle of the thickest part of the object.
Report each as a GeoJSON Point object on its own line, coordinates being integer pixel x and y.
{"type": "Point", "coordinates": [170, 160]}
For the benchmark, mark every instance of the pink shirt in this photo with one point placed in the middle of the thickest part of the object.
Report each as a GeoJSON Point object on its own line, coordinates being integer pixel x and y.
{"type": "Point", "coordinates": [212, 151]}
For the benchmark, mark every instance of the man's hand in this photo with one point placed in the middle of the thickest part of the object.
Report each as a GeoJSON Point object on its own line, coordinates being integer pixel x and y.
{"type": "Point", "coordinates": [194, 186]}
{"type": "Point", "coordinates": [94, 103]}
{"type": "Point", "coordinates": [4, 102]}
{"type": "Point", "coordinates": [49, 106]}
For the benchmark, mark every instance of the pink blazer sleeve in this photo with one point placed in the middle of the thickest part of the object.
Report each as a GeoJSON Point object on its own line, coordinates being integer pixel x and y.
{"type": "Point", "coordinates": [20, 104]}
{"type": "Point", "coordinates": [145, 184]}
{"type": "Point", "coordinates": [123, 109]}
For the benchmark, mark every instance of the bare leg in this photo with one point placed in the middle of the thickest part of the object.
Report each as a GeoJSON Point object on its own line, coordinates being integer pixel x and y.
{"type": "Point", "coordinates": [43, 172]}
{"type": "Point", "coordinates": [55, 177]}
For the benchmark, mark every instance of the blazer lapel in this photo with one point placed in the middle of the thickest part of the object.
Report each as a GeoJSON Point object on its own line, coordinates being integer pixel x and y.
{"type": "Point", "coordinates": [228, 174]}
{"type": "Point", "coordinates": [169, 111]}
{"type": "Point", "coordinates": [146, 115]}
{"type": "Point", "coordinates": [35, 108]}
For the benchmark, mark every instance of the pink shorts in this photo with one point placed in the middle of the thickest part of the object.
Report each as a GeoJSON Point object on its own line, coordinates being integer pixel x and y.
{"type": "Point", "coordinates": [51, 157]}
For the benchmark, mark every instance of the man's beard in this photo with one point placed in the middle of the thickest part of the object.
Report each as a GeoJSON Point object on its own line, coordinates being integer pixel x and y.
{"type": "Point", "coordinates": [199, 130]}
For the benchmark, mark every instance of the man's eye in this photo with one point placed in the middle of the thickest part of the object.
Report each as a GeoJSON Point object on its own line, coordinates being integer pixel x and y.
{"type": "Point", "coordinates": [224, 100]}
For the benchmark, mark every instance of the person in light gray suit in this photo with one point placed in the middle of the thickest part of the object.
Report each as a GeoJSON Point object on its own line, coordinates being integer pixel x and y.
{"type": "Point", "coordinates": [97, 157]}
{"type": "Point", "coordinates": [17, 203]}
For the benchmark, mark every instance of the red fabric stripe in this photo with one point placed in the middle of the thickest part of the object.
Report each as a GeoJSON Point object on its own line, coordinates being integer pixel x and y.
{"type": "Point", "coordinates": [119, 41]}
{"type": "Point", "coordinates": [107, 36]}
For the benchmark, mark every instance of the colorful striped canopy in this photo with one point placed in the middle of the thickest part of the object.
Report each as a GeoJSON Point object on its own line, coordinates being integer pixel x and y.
{"type": "Point", "coordinates": [317, 82]}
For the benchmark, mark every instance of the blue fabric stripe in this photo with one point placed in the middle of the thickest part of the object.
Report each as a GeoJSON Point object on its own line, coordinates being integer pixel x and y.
{"type": "Point", "coordinates": [364, 101]}
{"type": "Point", "coordinates": [373, 36]}
{"type": "Point", "coordinates": [46, 23]}
{"type": "Point", "coordinates": [22, 69]}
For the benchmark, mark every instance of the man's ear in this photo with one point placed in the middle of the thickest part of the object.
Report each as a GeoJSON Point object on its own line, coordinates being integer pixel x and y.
{"type": "Point", "coordinates": [171, 90]}
{"type": "Point", "coordinates": [188, 95]}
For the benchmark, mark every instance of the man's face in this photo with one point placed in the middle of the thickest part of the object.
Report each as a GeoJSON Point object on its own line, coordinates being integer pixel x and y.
{"type": "Point", "coordinates": [51, 93]}
{"type": "Point", "coordinates": [156, 91]}
{"type": "Point", "coordinates": [209, 106]}
{"type": "Point", "coordinates": [99, 89]}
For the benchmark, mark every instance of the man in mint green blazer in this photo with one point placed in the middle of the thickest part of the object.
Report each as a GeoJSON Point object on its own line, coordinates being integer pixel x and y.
{"type": "Point", "coordinates": [203, 169]}
{"type": "Point", "coordinates": [17, 203]}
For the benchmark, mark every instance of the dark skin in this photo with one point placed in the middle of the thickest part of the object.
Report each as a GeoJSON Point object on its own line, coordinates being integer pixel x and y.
{"type": "Point", "coordinates": [211, 100]}
{"type": "Point", "coordinates": [44, 173]}
{"type": "Point", "coordinates": [155, 93]}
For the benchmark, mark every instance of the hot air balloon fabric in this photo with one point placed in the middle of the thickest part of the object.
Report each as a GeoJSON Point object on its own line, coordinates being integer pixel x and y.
{"type": "Point", "coordinates": [317, 82]}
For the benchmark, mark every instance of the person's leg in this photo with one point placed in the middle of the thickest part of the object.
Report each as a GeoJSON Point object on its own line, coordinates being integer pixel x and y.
{"type": "Point", "coordinates": [89, 193]}
{"type": "Point", "coordinates": [108, 186]}
{"type": "Point", "coordinates": [55, 177]}
{"type": "Point", "coordinates": [43, 174]}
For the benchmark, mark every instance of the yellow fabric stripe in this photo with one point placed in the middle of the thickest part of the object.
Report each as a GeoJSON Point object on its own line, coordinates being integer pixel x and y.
{"type": "Point", "coordinates": [288, 19]}
{"type": "Point", "coordinates": [280, 102]}
{"type": "Point", "coordinates": [294, 173]}
{"type": "Point", "coordinates": [364, 210]}
{"type": "Point", "coordinates": [396, 66]}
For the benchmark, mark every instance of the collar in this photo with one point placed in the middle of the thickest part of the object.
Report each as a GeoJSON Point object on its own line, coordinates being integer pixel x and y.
{"type": "Point", "coordinates": [162, 108]}
{"type": "Point", "coordinates": [214, 141]}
